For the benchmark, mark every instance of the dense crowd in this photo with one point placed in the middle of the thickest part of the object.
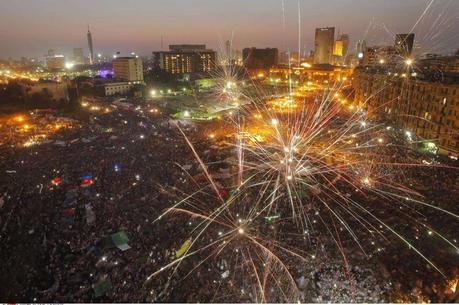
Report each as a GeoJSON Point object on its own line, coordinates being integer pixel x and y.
{"type": "Point", "coordinates": [62, 201]}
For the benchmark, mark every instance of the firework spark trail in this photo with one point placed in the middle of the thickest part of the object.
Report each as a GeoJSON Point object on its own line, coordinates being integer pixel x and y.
{"type": "Point", "coordinates": [308, 163]}
{"type": "Point", "coordinates": [422, 15]}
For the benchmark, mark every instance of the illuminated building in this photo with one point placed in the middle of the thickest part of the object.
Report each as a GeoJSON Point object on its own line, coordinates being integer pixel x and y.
{"type": "Point", "coordinates": [306, 73]}
{"type": "Point", "coordinates": [422, 106]}
{"type": "Point", "coordinates": [340, 49]}
{"type": "Point", "coordinates": [182, 59]}
{"type": "Point", "coordinates": [360, 48]}
{"type": "Point", "coordinates": [128, 68]}
{"type": "Point", "coordinates": [324, 41]}
{"type": "Point", "coordinates": [435, 62]}
{"type": "Point", "coordinates": [254, 58]}
{"type": "Point", "coordinates": [345, 39]}
{"type": "Point", "coordinates": [90, 46]}
{"type": "Point", "coordinates": [404, 44]}
{"type": "Point", "coordinates": [56, 62]}
{"type": "Point", "coordinates": [78, 56]}
{"type": "Point", "coordinates": [117, 88]}
{"type": "Point", "coordinates": [380, 55]}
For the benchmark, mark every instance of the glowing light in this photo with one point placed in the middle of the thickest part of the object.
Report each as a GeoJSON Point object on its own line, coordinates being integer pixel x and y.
{"type": "Point", "coordinates": [186, 114]}
{"type": "Point", "coordinates": [274, 122]}
{"type": "Point", "coordinates": [153, 92]}
{"type": "Point", "coordinates": [69, 65]}
{"type": "Point", "coordinates": [409, 62]}
{"type": "Point", "coordinates": [241, 231]}
{"type": "Point", "coordinates": [19, 118]}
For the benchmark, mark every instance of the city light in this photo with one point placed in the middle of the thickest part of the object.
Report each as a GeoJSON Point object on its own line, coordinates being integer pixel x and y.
{"type": "Point", "coordinates": [69, 65]}
{"type": "Point", "coordinates": [409, 62]}
{"type": "Point", "coordinates": [287, 162]}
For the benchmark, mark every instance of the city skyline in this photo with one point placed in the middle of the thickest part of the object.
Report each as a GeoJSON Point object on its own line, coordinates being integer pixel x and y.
{"type": "Point", "coordinates": [116, 26]}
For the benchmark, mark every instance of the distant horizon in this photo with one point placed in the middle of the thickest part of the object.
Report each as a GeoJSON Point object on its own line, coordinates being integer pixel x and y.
{"type": "Point", "coordinates": [30, 29]}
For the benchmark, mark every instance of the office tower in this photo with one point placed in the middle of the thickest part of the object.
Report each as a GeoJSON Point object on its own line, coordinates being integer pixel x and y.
{"type": "Point", "coordinates": [78, 56]}
{"type": "Point", "coordinates": [128, 68]}
{"type": "Point", "coordinates": [56, 62]}
{"type": "Point", "coordinates": [338, 48]}
{"type": "Point", "coordinates": [345, 39]}
{"type": "Point", "coordinates": [404, 44]}
{"type": "Point", "coordinates": [360, 48]}
{"type": "Point", "coordinates": [228, 48]}
{"type": "Point", "coordinates": [185, 58]}
{"type": "Point", "coordinates": [260, 58]}
{"type": "Point", "coordinates": [324, 40]}
{"type": "Point", "coordinates": [91, 51]}
{"type": "Point", "coordinates": [380, 55]}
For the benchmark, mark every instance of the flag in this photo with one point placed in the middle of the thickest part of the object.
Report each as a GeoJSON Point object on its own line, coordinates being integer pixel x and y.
{"type": "Point", "coordinates": [186, 245]}
{"type": "Point", "coordinates": [102, 287]}
{"type": "Point", "coordinates": [120, 240]}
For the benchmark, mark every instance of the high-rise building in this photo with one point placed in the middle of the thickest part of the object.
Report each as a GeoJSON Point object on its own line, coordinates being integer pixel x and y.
{"type": "Point", "coordinates": [338, 48]}
{"type": "Point", "coordinates": [421, 105]}
{"type": "Point", "coordinates": [360, 48]}
{"type": "Point", "coordinates": [228, 48]}
{"type": "Point", "coordinates": [324, 41]}
{"type": "Point", "coordinates": [78, 56]}
{"type": "Point", "coordinates": [186, 47]}
{"type": "Point", "coordinates": [380, 55]}
{"type": "Point", "coordinates": [90, 46]}
{"type": "Point", "coordinates": [345, 39]}
{"type": "Point", "coordinates": [56, 62]}
{"type": "Point", "coordinates": [185, 58]}
{"type": "Point", "coordinates": [254, 58]}
{"type": "Point", "coordinates": [404, 44]}
{"type": "Point", "coordinates": [128, 69]}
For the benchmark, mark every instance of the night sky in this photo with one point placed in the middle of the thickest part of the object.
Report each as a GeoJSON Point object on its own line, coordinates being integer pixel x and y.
{"type": "Point", "coordinates": [31, 27]}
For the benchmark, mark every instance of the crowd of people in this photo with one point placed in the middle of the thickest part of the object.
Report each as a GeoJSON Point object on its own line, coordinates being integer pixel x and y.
{"type": "Point", "coordinates": [61, 202]}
